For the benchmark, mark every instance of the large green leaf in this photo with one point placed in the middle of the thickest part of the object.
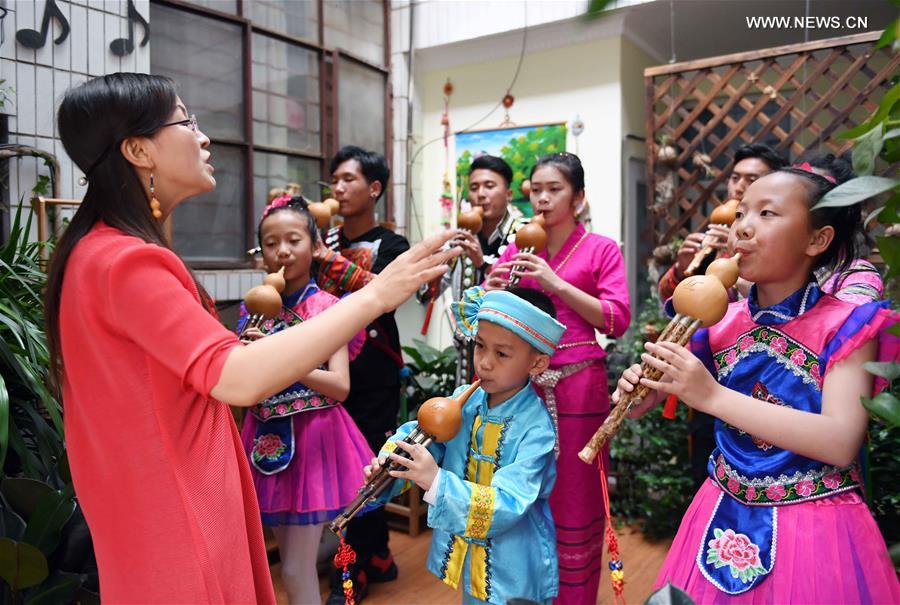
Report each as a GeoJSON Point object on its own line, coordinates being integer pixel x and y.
{"type": "Point", "coordinates": [59, 588]}
{"type": "Point", "coordinates": [4, 421]}
{"type": "Point", "coordinates": [885, 406]}
{"type": "Point", "coordinates": [24, 494]}
{"type": "Point", "coordinates": [884, 109]}
{"type": "Point", "coordinates": [46, 523]}
{"type": "Point", "coordinates": [416, 357]}
{"type": "Point", "coordinates": [865, 149]}
{"type": "Point", "coordinates": [64, 471]}
{"type": "Point", "coordinates": [30, 462]}
{"type": "Point", "coordinates": [11, 524]}
{"type": "Point", "coordinates": [856, 190]}
{"type": "Point", "coordinates": [597, 7]}
{"type": "Point", "coordinates": [889, 370]}
{"type": "Point", "coordinates": [429, 353]}
{"type": "Point", "coordinates": [888, 35]}
{"type": "Point", "coordinates": [891, 152]}
{"type": "Point", "coordinates": [21, 565]}
{"type": "Point", "coordinates": [75, 550]}
{"type": "Point", "coordinates": [887, 214]}
{"type": "Point", "coordinates": [889, 248]}
{"type": "Point", "coordinates": [86, 597]}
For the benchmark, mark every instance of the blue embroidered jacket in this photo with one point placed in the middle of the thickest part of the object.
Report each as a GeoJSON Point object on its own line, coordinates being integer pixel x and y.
{"type": "Point", "coordinates": [493, 532]}
{"type": "Point", "coordinates": [778, 354]}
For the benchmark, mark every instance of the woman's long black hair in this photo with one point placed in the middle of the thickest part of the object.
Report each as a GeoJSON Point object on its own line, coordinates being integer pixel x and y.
{"type": "Point", "coordinates": [94, 118]}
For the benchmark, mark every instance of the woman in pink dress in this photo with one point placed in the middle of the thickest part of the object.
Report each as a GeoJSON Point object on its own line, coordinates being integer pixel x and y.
{"type": "Point", "coordinates": [584, 275]}
{"type": "Point", "coordinates": [144, 364]}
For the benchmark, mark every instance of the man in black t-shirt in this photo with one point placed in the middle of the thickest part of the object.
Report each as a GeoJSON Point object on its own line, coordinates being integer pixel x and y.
{"type": "Point", "coordinates": [348, 259]}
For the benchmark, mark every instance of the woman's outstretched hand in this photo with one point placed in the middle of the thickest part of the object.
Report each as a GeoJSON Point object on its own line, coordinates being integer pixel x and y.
{"type": "Point", "coordinates": [419, 265]}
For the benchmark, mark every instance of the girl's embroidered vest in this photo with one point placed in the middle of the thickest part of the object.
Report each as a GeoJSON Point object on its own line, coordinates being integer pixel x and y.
{"type": "Point", "coordinates": [779, 355]}
{"type": "Point", "coordinates": [274, 444]}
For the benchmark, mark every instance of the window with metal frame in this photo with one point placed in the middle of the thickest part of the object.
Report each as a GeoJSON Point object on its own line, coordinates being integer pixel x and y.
{"type": "Point", "coordinates": [277, 89]}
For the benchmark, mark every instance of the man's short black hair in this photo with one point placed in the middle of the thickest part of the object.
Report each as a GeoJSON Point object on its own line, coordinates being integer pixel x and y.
{"type": "Point", "coordinates": [773, 159]}
{"type": "Point", "coordinates": [494, 164]}
{"type": "Point", "coordinates": [373, 165]}
{"type": "Point", "coordinates": [537, 298]}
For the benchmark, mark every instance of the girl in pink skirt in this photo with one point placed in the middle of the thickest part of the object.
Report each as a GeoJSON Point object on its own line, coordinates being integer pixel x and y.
{"type": "Point", "coordinates": [306, 454]}
{"type": "Point", "coordinates": [781, 518]}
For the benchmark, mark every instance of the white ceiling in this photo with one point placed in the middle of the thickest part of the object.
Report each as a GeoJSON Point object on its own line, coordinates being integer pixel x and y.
{"type": "Point", "coordinates": [708, 28]}
{"type": "Point", "coordinates": [702, 28]}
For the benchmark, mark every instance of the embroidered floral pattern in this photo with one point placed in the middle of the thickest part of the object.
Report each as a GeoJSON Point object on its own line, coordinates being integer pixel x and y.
{"type": "Point", "coordinates": [790, 353]}
{"type": "Point", "coordinates": [267, 447]}
{"type": "Point", "coordinates": [296, 398]}
{"type": "Point", "coordinates": [291, 402]}
{"type": "Point", "coordinates": [799, 487]}
{"type": "Point", "coordinates": [805, 488]}
{"type": "Point", "coordinates": [481, 511]}
{"type": "Point", "coordinates": [760, 392]}
{"type": "Point", "coordinates": [775, 492]}
{"type": "Point", "coordinates": [737, 552]}
{"type": "Point", "coordinates": [832, 480]}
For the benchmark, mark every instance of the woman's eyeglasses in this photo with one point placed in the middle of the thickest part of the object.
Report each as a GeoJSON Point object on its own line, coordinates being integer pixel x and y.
{"type": "Point", "coordinates": [191, 121]}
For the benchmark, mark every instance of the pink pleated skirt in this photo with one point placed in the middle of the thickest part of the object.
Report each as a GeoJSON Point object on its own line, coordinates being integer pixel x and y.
{"type": "Point", "coordinates": [827, 551]}
{"type": "Point", "coordinates": [324, 475]}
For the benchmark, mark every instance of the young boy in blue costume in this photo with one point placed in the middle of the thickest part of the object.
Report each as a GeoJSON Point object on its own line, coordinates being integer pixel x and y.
{"type": "Point", "coordinates": [488, 486]}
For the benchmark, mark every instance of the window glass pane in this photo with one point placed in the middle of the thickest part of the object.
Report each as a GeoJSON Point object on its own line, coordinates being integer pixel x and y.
{"type": "Point", "coordinates": [204, 58]}
{"type": "Point", "coordinates": [356, 26]}
{"type": "Point", "coordinates": [210, 227]}
{"type": "Point", "coordinates": [361, 106]}
{"type": "Point", "coordinates": [285, 95]}
{"type": "Point", "coordinates": [223, 6]}
{"type": "Point", "coordinates": [297, 18]}
{"type": "Point", "coordinates": [276, 170]}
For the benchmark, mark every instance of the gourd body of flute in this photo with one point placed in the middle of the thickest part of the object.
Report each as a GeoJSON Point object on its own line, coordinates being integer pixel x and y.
{"type": "Point", "coordinates": [722, 215]}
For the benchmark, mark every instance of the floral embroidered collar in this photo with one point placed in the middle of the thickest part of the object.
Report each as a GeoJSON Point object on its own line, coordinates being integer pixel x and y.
{"type": "Point", "coordinates": [790, 308]}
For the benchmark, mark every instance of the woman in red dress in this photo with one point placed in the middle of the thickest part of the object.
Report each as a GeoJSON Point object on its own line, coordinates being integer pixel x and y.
{"type": "Point", "coordinates": [144, 364]}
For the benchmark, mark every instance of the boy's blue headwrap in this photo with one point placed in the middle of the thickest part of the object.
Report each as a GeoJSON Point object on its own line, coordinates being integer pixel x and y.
{"type": "Point", "coordinates": [509, 311]}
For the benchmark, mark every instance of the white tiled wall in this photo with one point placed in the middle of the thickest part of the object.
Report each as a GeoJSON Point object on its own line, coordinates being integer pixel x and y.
{"type": "Point", "coordinates": [400, 88]}
{"type": "Point", "coordinates": [41, 77]}
{"type": "Point", "coordinates": [229, 285]}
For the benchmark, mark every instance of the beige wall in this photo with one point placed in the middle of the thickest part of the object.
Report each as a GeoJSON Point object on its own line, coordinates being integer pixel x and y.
{"type": "Point", "coordinates": [600, 80]}
{"type": "Point", "coordinates": [553, 86]}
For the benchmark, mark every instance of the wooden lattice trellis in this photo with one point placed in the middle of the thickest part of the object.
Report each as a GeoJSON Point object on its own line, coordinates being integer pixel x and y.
{"type": "Point", "coordinates": [795, 98]}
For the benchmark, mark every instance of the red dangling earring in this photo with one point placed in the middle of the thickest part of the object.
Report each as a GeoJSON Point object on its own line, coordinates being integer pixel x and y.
{"type": "Point", "coordinates": [154, 203]}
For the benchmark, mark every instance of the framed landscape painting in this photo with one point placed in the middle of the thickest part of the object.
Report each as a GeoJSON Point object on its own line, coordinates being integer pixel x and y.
{"type": "Point", "coordinates": [520, 146]}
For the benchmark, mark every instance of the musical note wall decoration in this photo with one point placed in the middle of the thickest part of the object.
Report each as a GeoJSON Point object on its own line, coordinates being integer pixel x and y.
{"type": "Point", "coordinates": [125, 46]}
{"type": "Point", "coordinates": [30, 38]}
{"type": "Point", "coordinates": [3, 13]}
